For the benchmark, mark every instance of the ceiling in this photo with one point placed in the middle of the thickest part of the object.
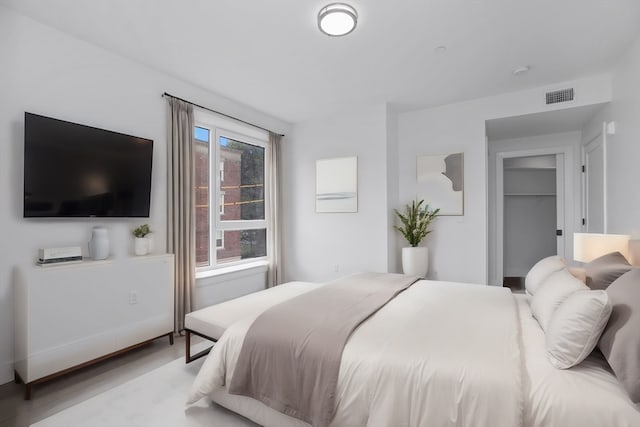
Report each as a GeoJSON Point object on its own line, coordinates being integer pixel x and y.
{"type": "Point", "coordinates": [271, 56]}
{"type": "Point", "coordinates": [566, 120]}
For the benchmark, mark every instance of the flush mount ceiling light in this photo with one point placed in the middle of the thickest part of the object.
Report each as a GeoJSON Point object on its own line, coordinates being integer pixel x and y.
{"type": "Point", "coordinates": [337, 19]}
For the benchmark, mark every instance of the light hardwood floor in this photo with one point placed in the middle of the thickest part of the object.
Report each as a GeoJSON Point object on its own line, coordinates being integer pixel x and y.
{"type": "Point", "coordinates": [68, 390]}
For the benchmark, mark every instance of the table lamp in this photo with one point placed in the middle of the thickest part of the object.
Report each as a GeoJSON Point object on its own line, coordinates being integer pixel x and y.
{"type": "Point", "coordinates": [589, 246]}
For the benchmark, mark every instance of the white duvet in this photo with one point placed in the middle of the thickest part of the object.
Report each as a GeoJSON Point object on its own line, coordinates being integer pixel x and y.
{"type": "Point", "coordinates": [439, 354]}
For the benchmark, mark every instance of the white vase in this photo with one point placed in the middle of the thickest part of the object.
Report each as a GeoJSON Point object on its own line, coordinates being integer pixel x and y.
{"type": "Point", "coordinates": [141, 246]}
{"type": "Point", "coordinates": [415, 261]}
{"type": "Point", "coordinates": [99, 243]}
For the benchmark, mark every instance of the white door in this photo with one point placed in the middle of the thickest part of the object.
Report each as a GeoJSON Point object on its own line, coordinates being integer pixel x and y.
{"type": "Point", "coordinates": [594, 186]}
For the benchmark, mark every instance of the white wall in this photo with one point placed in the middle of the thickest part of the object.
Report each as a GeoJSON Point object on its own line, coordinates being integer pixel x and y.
{"type": "Point", "coordinates": [394, 238]}
{"type": "Point", "coordinates": [623, 148]}
{"type": "Point", "coordinates": [318, 244]}
{"type": "Point", "coordinates": [459, 244]}
{"type": "Point", "coordinates": [47, 72]}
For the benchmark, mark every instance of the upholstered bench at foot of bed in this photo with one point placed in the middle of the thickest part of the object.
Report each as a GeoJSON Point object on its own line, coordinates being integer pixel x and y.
{"type": "Point", "coordinates": [211, 322]}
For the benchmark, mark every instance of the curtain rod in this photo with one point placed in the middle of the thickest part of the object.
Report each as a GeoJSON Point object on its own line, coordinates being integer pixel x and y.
{"type": "Point", "coordinates": [218, 112]}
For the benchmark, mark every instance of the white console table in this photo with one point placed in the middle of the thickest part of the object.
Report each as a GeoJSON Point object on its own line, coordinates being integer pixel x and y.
{"type": "Point", "coordinates": [69, 316]}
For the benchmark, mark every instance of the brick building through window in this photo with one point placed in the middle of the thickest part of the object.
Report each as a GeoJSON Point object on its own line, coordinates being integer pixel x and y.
{"type": "Point", "coordinates": [227, 242]}
{"type": "Point", "coordinates": [238, 223]}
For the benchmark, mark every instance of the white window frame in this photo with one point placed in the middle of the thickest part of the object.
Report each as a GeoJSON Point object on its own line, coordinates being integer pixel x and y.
{"type": "Point", "coordinates": [219, 127]}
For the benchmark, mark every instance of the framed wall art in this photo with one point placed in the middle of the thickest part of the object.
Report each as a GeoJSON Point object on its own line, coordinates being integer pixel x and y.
{"type": "Point", "coordinates": [441, 182]}
{"type": "Point", "coordinates": [337, 185]}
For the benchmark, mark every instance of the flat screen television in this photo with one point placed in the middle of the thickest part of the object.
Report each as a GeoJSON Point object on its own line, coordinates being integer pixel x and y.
{"type": "Point", "coordinates": [72, 170]}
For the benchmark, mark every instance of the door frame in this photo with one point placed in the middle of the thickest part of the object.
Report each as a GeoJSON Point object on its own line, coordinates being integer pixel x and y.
{"type": "Point", "coordinates": [566, 202]}
{"type": "Point", "coordinates": [561, 218]}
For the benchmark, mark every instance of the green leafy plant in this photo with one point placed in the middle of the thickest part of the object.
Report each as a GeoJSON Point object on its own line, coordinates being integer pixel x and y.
{"type": "Point", "coordinates": [142, 230]}
{"type": "Point", "coordinates": [415, 221]}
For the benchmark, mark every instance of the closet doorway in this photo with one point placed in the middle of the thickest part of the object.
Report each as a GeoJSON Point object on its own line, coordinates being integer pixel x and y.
{"type": "Point", "coordinates": [532, 212]}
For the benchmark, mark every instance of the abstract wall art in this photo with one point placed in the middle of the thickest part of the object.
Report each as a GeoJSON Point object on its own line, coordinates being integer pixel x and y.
{"type": "Point", "coordinates": [441, 182]}
{"type": "Point", "coordinates": [337, 185]}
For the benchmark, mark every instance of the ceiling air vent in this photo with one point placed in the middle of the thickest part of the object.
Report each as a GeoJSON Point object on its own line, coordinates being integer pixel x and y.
{"type": "Point", "coordinates": [557, 96]}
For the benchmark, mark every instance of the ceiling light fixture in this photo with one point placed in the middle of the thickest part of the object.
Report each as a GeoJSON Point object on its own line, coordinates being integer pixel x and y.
{"type": "Point", "coordinates": [337, 19]}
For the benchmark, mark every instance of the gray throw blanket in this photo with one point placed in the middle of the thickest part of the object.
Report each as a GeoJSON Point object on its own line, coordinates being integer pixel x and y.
{"type": "Point", "coordinates": [290, 357]}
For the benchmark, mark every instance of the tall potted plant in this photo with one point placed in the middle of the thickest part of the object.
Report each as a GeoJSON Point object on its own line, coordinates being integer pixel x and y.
{"type": "Point", "coordinates": [415, 227]}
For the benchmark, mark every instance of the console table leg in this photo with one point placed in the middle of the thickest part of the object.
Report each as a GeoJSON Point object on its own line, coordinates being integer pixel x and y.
{"type": "Point", "coordinates": [170, 338]}
{"type": "Point", "coordinates": [27, 392]}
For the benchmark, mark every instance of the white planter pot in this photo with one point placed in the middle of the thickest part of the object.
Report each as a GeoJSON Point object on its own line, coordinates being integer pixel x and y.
{"type": "Point", "coordinates": [141, 246]}
{"type": "Point", "coordinates": [415, 261]}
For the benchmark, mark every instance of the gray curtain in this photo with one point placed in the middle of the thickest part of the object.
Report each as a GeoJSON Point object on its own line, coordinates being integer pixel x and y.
{"type": "Point", "coordinates": [181, 207]}
{"type": "Point", "coordinates": [275, 228]}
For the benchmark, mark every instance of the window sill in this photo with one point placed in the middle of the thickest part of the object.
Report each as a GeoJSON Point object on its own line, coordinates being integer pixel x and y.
{"type": "Point", "coordinates": [223, 271]}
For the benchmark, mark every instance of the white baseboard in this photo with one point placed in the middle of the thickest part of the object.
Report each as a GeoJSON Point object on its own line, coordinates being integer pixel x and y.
{"type": "Point", "coordinates": [6, 372]}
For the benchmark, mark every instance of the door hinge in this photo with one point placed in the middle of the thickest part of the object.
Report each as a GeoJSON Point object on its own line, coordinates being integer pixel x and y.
{"type": "Point", "coordinates": [584, 222]}
{"type": "Point", "coordinates": [558, 232]}
{"type": "Point", "coordinates": [584, 169]}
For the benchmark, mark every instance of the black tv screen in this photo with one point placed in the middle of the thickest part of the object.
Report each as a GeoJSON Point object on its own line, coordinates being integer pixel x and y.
{"type": "Point", "coordinates": [72, 170]}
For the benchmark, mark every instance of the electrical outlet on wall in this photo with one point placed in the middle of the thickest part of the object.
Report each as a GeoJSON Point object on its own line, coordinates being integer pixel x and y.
{"type": "Point", "coordinates": [133, 297]}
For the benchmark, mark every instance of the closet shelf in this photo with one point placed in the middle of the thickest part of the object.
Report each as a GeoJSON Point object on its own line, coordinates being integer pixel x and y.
{"type": "Point", "coordinates": [530, 194]}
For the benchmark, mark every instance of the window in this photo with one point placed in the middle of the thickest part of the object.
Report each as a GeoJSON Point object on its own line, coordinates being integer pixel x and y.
{"type": "Point", "coordinates": [201, 142]}
{"type": "Point", "coordinates": [231, 168]}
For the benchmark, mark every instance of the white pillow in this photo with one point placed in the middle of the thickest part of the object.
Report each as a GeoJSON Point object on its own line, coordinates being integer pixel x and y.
{"type": "Point", "coordinates": [543, 269]}
{"type": "Point", "coordinates": [551, 293]}
{"type": "Point", "coordinates": [576, 326]}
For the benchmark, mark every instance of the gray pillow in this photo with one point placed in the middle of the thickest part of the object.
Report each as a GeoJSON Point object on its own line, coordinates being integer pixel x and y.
{"type": "Point", "coordinates": [620, 341]}
{"type": "Point", "coordinates": [601, 272]}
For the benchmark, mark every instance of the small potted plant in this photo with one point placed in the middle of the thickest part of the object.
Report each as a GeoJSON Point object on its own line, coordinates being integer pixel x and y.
{"type": "Point", "coordinates": [415, 227]}
{"type": "Point", "coordinates": [141, 241]}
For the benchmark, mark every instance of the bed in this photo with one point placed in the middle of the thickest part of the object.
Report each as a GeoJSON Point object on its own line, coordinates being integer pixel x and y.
{"type": "Point", "coordinates": [441, 354]}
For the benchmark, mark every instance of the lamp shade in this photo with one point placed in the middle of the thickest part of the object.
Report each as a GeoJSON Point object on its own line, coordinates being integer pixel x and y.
{"type": "Point", "coordinates": [589, 246]}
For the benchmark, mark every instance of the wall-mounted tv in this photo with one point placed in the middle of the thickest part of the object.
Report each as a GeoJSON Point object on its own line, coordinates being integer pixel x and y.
{"type": "Point", "coordinates": [72, 170]}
